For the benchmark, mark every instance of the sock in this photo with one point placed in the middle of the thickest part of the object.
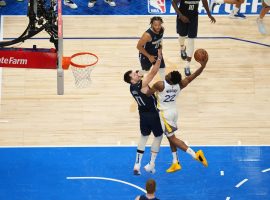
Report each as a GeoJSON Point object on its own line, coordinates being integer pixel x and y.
{"type": "Point", "coordinates": [139, 156]}
{"type": "Point", "coordinates": [191, 152]}
{"type": "Point", "coordinates": [190, 47]}
{"type": "Point", "coordinates": [235, 10]}
{"type": "Point", "coordinates": [181, 41]}
{"type": "Point", "coordinates": [153, 157]}
{"type": "Point", "coordinates": [175, 157]}
{"type": "Point", "coordinates": [187, 64]}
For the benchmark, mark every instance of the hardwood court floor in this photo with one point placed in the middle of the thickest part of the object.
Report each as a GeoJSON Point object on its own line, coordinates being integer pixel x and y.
{"type": "Point", "coordinates": [228, 104]}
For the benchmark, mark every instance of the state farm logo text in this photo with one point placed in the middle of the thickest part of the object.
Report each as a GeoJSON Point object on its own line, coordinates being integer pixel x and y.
{"type": "Point", "coordinates": [13, 61]}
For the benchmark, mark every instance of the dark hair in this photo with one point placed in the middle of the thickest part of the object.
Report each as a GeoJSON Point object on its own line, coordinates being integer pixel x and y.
{"type": "Point", "coordinates": [176, 77]}
{"type": "Point", "coordinates": [127, 77]}
{"type": "Point", "coordinates": [156, 18]}
{"type": "Point", "coordinates": [150, 186]}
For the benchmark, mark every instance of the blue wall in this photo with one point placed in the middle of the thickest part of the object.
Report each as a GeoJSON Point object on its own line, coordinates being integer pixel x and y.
{"type": "Point", "coordinates": [126, 7]}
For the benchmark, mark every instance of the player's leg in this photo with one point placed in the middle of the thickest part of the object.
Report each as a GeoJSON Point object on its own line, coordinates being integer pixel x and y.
{"type": "Point", "coordinates": [175, 166]}
{"type": "Point", "coordinates": [168, 119]}
{"type": "Point", "coordinates": [145, 132]}
{"type": "Point", "coordinates": [235, 13]}
{"type": "Point", "coordinates": [192, 34]}
{"type": "Point", "coordinates": [199, 155]}
{"type": "Point", "coordinates": [157, 130]}
{"type": "Point", "coordinates": [215, 3]}
{"type": "Point", "coordinates": [182, 30]}
{"type": "Point", "coordinates": [139, 154]}
{"type": "Point", "coordinates": [265, 9]}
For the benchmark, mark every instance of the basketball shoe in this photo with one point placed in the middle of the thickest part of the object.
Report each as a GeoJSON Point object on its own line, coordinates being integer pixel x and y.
{"type": "Point", "coordinates": [237, 15]}
{"type": "Point", "coordinates": [150, 167]}
{"type": "Point", "coordinates": [187, 71]}
{"type": "Point", "coordinates": [183, 54]}
{"type": "Point", "coordinates": [261, 27]}
{"type": "Point", "coordinates": [174, 167]}
{"type": "Point", "coordinates": [91, 3]}
{"type": "Point", "coordinates": [200, 157]}
{"type": "Point", "coordinates": [70, 4]}
{"type": "Point", "coordinates": [110, 2]}
{"type": "Point", "coordinates": [136, 169]}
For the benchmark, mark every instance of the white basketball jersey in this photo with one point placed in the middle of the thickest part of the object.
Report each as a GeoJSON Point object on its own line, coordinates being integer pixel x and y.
{"type": "Point", "coordinates": [167, 98]}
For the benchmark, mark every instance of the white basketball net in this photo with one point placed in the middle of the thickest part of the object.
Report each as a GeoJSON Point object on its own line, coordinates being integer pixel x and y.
{"type": "Point", "coordinates": [82, 75]}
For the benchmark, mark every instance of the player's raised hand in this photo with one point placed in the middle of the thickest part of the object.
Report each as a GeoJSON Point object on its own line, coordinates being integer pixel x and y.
{"type": "Point", "coordinates": [152, 59]}
{"type": "Point", "coordinates": [204, 61]}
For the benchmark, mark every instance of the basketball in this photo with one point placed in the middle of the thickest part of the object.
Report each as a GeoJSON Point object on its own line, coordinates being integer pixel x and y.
{"type": "Point", "coordinates": [200, 55]}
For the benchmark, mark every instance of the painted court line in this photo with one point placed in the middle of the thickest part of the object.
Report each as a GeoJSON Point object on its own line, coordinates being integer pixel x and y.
{"type": "Point", "coordinates": [241, 183]}
{"type": "Point", "coordinates": [136, 38]}
{"type": "Point", "coordinates": [106, 179]}
{"type": "Point", "coordinates": [266, 170]}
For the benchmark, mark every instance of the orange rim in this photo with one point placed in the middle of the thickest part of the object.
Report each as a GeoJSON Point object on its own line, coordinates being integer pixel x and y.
{"type": "Point", "coordinates": [83, 53]}
{"type": "Point", "coordinates": [65, 62]}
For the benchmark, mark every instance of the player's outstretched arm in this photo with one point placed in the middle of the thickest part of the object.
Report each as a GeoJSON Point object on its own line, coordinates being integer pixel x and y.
{"type": "Point", "coordinates": [184, 83]}
{"type": "Point", "coordinates": [153, 71]}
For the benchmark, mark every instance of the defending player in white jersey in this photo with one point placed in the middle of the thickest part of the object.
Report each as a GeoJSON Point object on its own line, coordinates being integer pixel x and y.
{"type": "Point", "coordinates": [166, 92]}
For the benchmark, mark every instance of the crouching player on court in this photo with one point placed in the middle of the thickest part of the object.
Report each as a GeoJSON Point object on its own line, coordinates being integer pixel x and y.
{"type": "Point", "coordinates": [166, 92]}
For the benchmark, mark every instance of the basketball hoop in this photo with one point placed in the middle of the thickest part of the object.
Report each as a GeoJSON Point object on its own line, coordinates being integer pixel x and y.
{"type": "Point", "coordinates": [82, 65]}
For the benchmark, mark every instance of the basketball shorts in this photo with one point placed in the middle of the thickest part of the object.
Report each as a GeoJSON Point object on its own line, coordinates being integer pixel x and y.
{"type": "Point", "coordinates": [150, 121]}
{"type": "Point", "coordinates": [187, 29]}
{"type": "Point", "coordinates": [267, 2]}
{"type": "Point", "coordinates": [146, 64]}
{"type": "Point", "coordinates": [168, 120]}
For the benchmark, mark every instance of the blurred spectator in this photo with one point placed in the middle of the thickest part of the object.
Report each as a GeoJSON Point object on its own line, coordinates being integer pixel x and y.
{"type": "Point", "coordinates": [92, 3]}
{"type": "Point", "coordinates": [70, 4]}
